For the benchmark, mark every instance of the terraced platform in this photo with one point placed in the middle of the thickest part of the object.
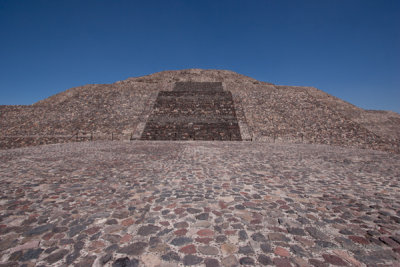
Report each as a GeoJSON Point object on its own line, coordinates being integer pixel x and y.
{"type": "Point", "coordinates": [198, 203]}
{"type": "Point", "coordinates": [193, 111]}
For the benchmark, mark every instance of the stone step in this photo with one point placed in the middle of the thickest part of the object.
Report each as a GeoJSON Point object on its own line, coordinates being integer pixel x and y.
{"type": "Point", "coordinates": [199, 86]}
{"type": "Point", "coordinates": [193, 111]}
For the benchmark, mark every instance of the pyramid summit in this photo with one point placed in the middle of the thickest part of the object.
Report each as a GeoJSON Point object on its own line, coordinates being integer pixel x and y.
{"type": "Point", "coordinates": [198, 104]}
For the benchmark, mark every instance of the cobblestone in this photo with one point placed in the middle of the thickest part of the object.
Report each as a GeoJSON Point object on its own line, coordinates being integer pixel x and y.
{"type": "Point", "coordinates": [138, 204]}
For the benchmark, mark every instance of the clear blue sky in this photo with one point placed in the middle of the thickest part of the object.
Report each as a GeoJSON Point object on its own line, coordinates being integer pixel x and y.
{"type": "Point", "coordinates": [348, 48]}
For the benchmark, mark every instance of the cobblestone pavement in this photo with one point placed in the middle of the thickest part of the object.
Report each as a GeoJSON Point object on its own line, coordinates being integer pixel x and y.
{"type": "Point", "coordinates": [198, 203]}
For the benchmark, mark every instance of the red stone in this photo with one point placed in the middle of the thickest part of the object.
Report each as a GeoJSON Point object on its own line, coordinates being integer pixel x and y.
{"type": "Point", "coordinates": [92, 230]}
{"type": "Point", "coordinates": [207, 209]}
{"type": "Point", "coordinates": [164, 223]}
{"type": "Point", "coordinates": [256, 221]}
{"type": "Point", "coordinates": [189, 249]}
{"type": "Point", "coordinates": [59, 236]}
{"type": "Point", "coordinates": [181, 232]}
{"type": "Point", "coordinates": [127, 222]}
{"type": "Point", "coordinates": [282, 262]}
{"type": "Point", "coordinates": [170, 206]}
{"type": "Point", "coordinates": [205, 232]}
{"type": "Point", "coordinates": [126, 238]}
{"type": "Point", "coordinates": [157, 208]}
{"type": "Point", "coordinates": [280, 251]}
{"type": "Point", "coordinates": [47, 236]}
{"type": "Point", "coordinates": [179, 210]}
{"type": "Point", "coordinates": [335, 260]}
{"type": "Point", "coordinates": [230, 232]}
{"type": "Point", "coordinates": [222, 205]}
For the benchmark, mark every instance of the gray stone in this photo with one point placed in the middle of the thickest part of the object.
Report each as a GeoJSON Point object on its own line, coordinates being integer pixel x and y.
{"type": "Point", "coordinates": [191, 260]}
{"type": "Point", "coordinates": [202, 216]}
{"type": "Point", "coordinates": [31, 254]}
{"type": "Point", "coordinates": [171, 256]}
{"type": "Point", "coordinates": [148, 230]}
{"type": "Point", "coordinates": [39, 230]}
{"type": "Point", "coordinates": [211, 263]}
{"type": "Point", "coordinates": [266, 248]}
{"type": "Point", "coordinates": [76, 230]}
{"type": "Point", "coordinates": [246, 261]}
{"type": "Point", "coordinates": [258, 237]}
{"type": "Point", "coordinates": [264, 259]}
{"type": "Point", "coordinates": [179, 241]}
{"type": "Point", "coordinates": [125, 262]}
{"type": "Point", "coordinates": [136, 248]}
{"type": "Point", "coordinates": [246, 250]}
{"type": "Point", "coordinates": [56, 256]}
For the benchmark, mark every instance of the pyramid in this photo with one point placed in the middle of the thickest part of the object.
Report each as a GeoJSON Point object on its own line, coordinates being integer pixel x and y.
{"type": "Point", "coordinates": [198, 104]}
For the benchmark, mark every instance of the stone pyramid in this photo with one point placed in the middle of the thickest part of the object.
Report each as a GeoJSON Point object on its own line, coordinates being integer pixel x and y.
{"type": "Point", "coordinates": [198, 104]}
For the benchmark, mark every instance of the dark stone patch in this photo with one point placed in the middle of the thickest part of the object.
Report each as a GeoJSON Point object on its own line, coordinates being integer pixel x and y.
{"type": "Point", "coordinates": [164, 232]}
{"type": "Point", "coordinates": [211, 263]}
{"type": "Point", "coordinates": [133, 249]}
{"type": "Point", "coordinates": [258, 237]}
{"type": "Point", "coordinates": [179, 241]}
{"type": "Point", "coordinates": [193, 210]}
{"type": "Point", "coordinates": [171, 256]}
{"type": "Point", "coordinates": [31, 254]}
{"type": "Point", "coordinates": [50, 250]}
{"type": "Point", "coordinates": [76, 230]}
{"type": "Point", "coordinates": [125, 262]}
{"type": "Point", "coordinates": [72, 257]}
{"type": "Point", "coordinates": [221, 238]}
{"type": "Point", "coordinates": [16, 256]}
{"type": "Point", "coordinates": [148, 230]}
{"type": "Point", "coordinates": [298, 250]}
{"type": "Point", "coordinates": [296, 231]}
{"type": "Point", "coordinates": [112, 247]}
{"type": "Point", "coordinates": [192, 260]}
{"type": "Point", "coordinates": [317, 234]}
{"type": "Point", "coordinates": [325, 244]}
{"type": "Point", "coordinates": [243, 235]}
{"type": "Point", "coordinates": [264, 259]}
{"type": "Point", "coordinates": [56, 256]}
{"type": "Point", "coordinates": [246, 250]}
{"type": "Point", "coordinates": [266, 248]}
{"type": "Point", "coordinates": [39, 230]}
{"type": "Point", "coordinates": [246, 261]}
{"type": "Point", "coordinates": [202, 216]}
{"type": "Point", "coordinates": [106, 258]}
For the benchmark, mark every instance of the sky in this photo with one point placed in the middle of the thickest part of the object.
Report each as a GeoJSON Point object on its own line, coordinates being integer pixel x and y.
{"type": "Point", "coordinates": [347, 48]}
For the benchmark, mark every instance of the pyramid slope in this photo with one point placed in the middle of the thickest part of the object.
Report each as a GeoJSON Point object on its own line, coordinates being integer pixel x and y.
{"type": "Point", "coordinates": [270, 113]}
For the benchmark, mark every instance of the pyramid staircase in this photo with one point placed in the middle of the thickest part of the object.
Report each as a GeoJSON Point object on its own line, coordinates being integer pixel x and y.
{"type": "Point", "coordinates": [193, 111]}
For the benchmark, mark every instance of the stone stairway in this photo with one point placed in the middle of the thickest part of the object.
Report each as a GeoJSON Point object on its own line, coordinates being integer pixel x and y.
{"type": "Point", "coordinates": [193, 111]}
